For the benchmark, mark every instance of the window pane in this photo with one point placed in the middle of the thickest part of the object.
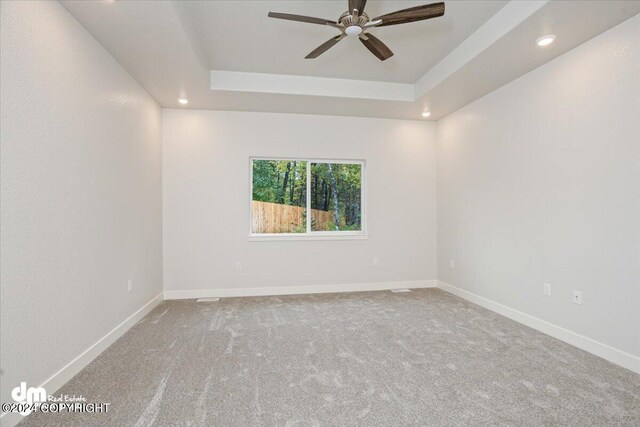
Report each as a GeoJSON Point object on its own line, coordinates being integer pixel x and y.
{"type": "Point", "coordinates": [279, 201]}
{"type": "Point", "coordinates": [336, 203]}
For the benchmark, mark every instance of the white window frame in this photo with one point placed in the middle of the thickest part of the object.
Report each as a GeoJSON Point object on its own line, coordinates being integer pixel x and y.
{"type": "Point", "coordinates": [312, 235]}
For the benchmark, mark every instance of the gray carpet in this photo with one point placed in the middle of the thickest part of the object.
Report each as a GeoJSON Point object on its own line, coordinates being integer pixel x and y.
{"type": "Point", "coordinates": [374, 358]}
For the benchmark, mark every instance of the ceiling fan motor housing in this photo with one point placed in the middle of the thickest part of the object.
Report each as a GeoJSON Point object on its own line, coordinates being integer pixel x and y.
{"type": "Point", "coordinates": [353, 24]}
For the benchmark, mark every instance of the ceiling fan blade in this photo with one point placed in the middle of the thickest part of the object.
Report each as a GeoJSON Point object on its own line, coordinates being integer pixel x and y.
{"type": "Point", "coordinates": [412, 14]}
{"type": "Point", "coordinates": [375, 46]}
{"type": "Point", "coordinates": [301, 18]}
{"type": "Point", "coordinates": [357, 5]}
{"type": "Point", "coordinates": [325, 46]}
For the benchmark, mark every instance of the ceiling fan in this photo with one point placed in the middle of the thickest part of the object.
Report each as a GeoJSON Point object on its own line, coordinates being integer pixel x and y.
{"type": "Point", "coordinates": [354, 22]}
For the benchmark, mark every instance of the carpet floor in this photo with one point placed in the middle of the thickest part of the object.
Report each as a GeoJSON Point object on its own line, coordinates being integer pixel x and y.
{"type": "Point", "coordinates": [370, 358]}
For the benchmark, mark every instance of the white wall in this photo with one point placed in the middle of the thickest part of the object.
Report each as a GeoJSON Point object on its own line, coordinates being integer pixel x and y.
{"type": "Point", "coordinates": [81, 193]}
{"type": "Point", "coordinates": [539, 182]}
{"type": "Point", "coordinates": [206, 200]}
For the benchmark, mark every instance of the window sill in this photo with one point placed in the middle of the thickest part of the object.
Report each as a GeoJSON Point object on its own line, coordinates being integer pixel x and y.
{"type": "Point", "coordinates": [306, 236]}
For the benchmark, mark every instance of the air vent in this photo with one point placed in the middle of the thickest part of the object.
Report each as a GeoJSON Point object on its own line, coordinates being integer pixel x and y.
{"type": "Point", "coordinates": [401, 290]}
{"type": "Point", "coordinates": [207, 299]}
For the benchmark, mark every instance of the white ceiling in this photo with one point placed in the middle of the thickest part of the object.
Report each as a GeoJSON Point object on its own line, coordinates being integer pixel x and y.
{"type": "Point", "coordinates": [238, 36]}
{"type": "Point", "coordinates": [229, 55]}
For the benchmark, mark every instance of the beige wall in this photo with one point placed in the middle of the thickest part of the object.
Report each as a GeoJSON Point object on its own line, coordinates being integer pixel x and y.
{"type": "Point", "coordinates": [206, 200]}
{"type": "Point", "coordinates": [81, 193]}
{"type": "Point", "coordinates": [539, 182]}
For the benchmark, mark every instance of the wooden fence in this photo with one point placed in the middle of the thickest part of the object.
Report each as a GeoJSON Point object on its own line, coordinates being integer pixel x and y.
{"type": "Point", "coordinates": [277, 218]}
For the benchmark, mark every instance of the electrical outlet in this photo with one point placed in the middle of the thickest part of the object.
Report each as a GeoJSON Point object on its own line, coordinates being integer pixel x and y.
{"type": "Point", "coordinates": [577, 297]}
{"type": "Point", "coordinates": [130, 285]}
{"type": "Point", "coordinates": [547, 289]}
{"type": "Point", "coordinates": [452, 264]}
{"type": "Point", "coordinates": [376, 262]}
{"type": "Point", "coordinates": [238, 266]}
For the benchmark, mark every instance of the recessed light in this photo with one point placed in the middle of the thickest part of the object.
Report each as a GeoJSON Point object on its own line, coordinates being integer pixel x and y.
{"type": "Point", "coordinates": [545, 40]}
{"type": "Point", "coordinates": [426, 114]}
{"type": "Point", "coordinates": [183, 101]}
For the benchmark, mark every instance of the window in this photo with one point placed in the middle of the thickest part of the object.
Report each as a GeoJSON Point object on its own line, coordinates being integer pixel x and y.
{"type": "Point", "coordinates": [307, 199]}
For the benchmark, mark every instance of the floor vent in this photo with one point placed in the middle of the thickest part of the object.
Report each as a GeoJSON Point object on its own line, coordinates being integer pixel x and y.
{"type": "Point", "coordinates": [401, 290]}
{"type": "Point", "coordinates": [207, 299]}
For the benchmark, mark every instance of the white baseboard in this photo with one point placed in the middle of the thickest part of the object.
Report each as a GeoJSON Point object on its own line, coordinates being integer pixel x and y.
{"type": "Point", "coordinates": [605, 351]}
{"type": "Point", "coordinates": [57, 380]}
{"type": "Point", "coordinates": [296, 290]}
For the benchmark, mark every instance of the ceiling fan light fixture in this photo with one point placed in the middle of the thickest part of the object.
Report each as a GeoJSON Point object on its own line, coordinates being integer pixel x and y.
{"type": "Point", "coordinates": [355, 22]}
{"type": "Point", "coordinates": [353, 30]}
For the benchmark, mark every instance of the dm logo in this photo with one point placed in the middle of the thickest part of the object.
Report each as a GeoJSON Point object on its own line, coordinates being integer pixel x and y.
{"type": "Point", "coordinates": [30, 396]}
